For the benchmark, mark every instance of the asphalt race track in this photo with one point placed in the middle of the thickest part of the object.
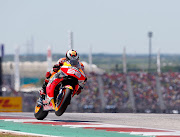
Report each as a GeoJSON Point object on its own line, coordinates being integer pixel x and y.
{"type": "Point", "coordinates": [162, 121]}
{"type": "Point", "coordinates": [169, 122]}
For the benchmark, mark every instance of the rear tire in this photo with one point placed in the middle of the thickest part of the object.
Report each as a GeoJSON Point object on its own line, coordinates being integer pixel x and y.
{"type": "Point", "coordinates": [39, 113]}
{"type": "Point", "coordinates": [64, 102]}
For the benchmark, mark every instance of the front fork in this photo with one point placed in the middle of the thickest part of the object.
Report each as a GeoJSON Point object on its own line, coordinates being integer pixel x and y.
{"type": "Point", "coordinates": [62, 91]}
{"type": "Point", "coordinates": [60, 96]}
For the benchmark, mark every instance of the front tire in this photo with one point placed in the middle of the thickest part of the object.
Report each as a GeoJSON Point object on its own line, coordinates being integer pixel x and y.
{"type": "Point", "coordinates": [39, 113]}
{"type": "Point", "coordinates": [62, 105]}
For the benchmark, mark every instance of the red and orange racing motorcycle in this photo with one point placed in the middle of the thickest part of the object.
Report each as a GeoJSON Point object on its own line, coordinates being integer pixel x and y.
{"type": "Point", "coordinates": [62, 86]}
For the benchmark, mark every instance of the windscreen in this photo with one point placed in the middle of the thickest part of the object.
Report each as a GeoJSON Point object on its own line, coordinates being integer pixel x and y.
{"type": "Point", "coordinates": [74, 63]}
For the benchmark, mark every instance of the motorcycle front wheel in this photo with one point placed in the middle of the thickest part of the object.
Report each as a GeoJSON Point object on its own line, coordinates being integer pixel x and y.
{"type": "Point", "coordinates": [39, 113]}
{"type": "Point", "coordinates": [62, 104]}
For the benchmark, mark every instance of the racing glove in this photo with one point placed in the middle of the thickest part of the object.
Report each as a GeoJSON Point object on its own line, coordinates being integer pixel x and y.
{"type": "Point", "coordinates": [81, 86]}
{"type": "Point", "coordinates": [56, 67]}
{"type": "Point", "coordinates": [78, 92]}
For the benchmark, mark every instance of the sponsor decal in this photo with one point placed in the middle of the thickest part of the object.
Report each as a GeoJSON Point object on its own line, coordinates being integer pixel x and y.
{"type": "Point", "coordinates": [78, 74]}
{"type": "Point", "coordinates": [71, 71]}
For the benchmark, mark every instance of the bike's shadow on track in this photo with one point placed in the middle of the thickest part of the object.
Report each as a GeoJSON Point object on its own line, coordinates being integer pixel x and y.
{"type": "Point", "coordinates": [72, 121]}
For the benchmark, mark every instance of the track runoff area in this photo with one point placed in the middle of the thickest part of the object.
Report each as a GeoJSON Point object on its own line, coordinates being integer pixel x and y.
{"type": "Point", "coordinates": [92, 124]}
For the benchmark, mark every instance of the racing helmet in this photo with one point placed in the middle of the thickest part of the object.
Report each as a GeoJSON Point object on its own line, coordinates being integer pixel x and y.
{"type": "Point", "coordinates": [72, 55]}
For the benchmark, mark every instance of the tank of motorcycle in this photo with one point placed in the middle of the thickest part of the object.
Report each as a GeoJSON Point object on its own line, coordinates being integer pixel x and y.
{"type": "Point", "coordinates": [74, 72]}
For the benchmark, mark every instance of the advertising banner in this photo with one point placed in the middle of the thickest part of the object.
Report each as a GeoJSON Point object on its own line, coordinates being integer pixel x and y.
{"type": "Point", "coordinates": [10, 104]}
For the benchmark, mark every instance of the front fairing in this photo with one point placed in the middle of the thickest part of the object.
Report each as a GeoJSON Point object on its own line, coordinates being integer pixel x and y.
{"type": "Point", "coordinates": [75, 71]}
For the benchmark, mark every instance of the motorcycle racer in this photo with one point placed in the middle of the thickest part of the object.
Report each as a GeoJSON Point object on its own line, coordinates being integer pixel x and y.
{"type": "Point", "coordinates": [70, 55]}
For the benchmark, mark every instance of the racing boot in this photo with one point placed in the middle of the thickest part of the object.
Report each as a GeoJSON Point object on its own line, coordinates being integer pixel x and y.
{"type": "Point", "coordinates": [42, 93]}
{"type": "Point", "coordinates": [41, 98]}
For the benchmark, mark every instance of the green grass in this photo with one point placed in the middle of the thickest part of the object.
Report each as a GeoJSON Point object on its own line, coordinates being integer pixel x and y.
{"type": "Point", "coordinates": [13, 135]}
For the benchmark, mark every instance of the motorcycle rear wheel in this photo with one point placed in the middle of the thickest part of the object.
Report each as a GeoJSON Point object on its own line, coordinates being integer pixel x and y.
{"type": "Point", "coordinates": [39, 113]}
{"type": "Point", "coordinates": [65, 101]}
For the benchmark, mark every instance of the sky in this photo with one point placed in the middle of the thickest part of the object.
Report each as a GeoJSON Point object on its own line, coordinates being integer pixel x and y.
{"type": "Point", "coordinates": [105, 25]}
